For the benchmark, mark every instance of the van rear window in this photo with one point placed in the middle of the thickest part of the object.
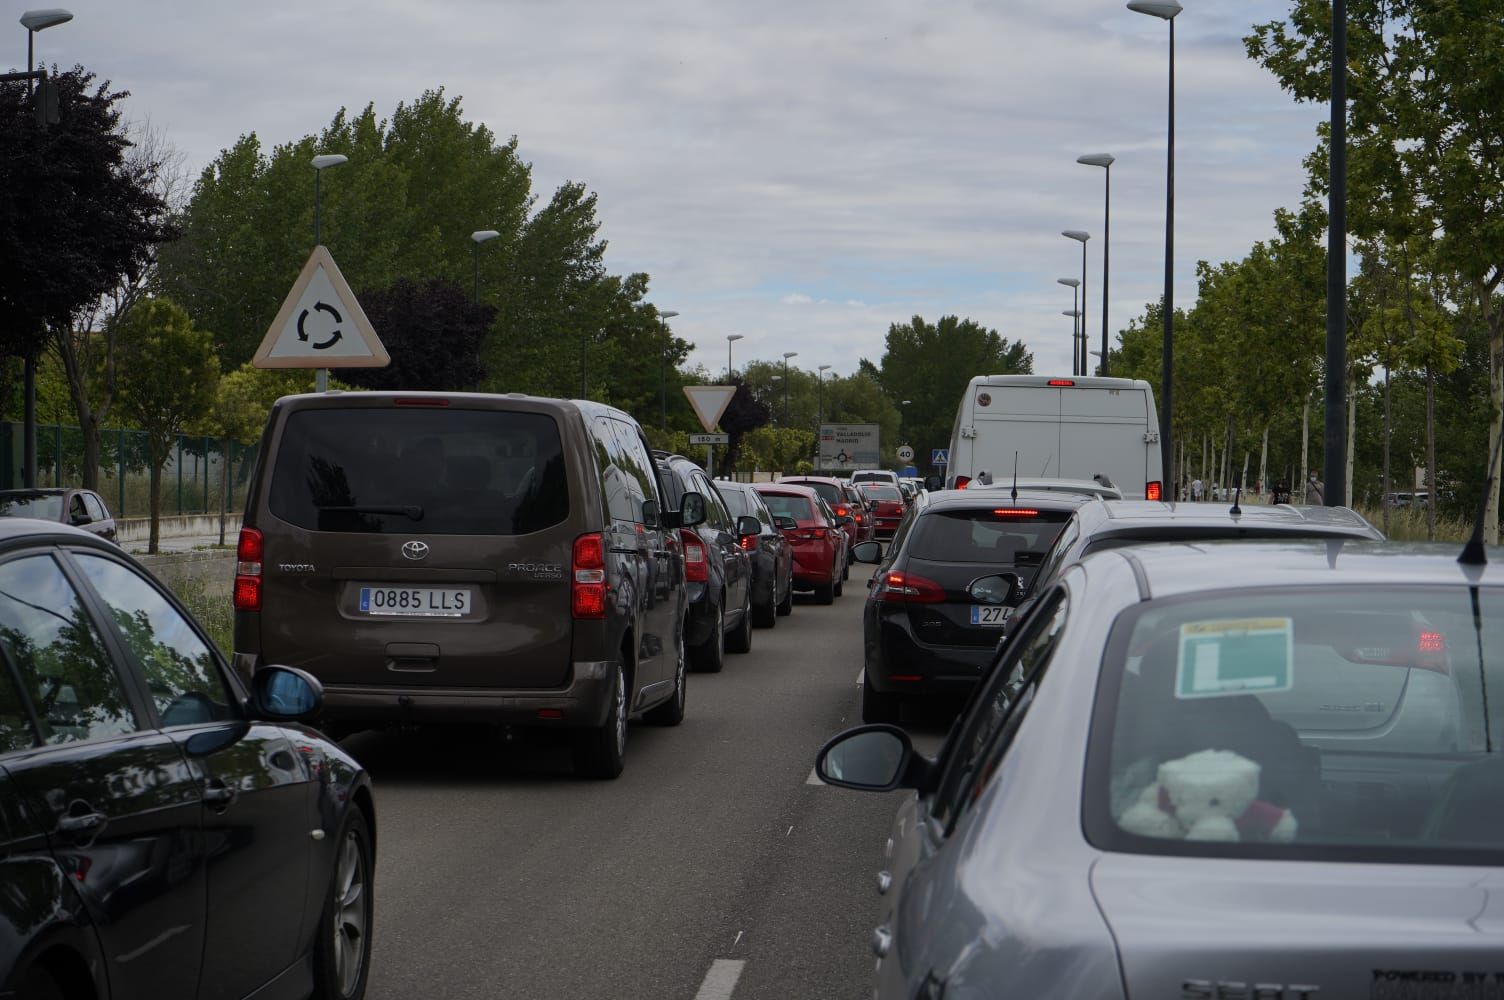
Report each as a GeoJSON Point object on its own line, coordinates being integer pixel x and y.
{"type": "Point", "coordinates": [431, 472]}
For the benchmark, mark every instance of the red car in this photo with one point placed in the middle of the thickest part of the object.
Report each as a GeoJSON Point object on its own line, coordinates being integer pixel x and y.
{"type": "Point", "coordinates": [889, 506]}
{"type": "Point", "coordinates": [866, 526]}
{"type": "Point", "coordinates": [818, 547]}
{"type": "Point", "coordinates": [851, 517]}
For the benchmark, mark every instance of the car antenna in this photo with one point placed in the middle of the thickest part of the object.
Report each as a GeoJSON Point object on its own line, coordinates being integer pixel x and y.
{"type": "Point", "coordinates": [1014, 497]}
{"type": "Point", "coordinates": [1236, 493]}
{"type": "Point", "coordinates": [1473, 553]}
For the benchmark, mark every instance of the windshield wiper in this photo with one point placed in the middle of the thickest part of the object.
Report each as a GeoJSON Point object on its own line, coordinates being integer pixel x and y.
{"type": "Point", "coordinates": [411, 511]}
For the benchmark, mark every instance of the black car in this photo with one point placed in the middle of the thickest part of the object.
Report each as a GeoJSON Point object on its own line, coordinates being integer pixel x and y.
{"type": "Point", "coordinates": [772, 558]}
{"type": "Point", "coordinates": [717, 569]}
{"type": "Point", "coordinates": [162, 825]}
{"type": "Point", "coordinates": [79, 507]}
{"type": "Point", "coordinates": [937, 605]}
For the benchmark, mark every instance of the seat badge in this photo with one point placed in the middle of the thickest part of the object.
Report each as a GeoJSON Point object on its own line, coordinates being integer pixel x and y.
{"type": "Point", "coordinates": [415, 549]}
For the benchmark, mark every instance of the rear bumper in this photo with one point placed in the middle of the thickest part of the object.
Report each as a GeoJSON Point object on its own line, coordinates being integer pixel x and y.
{"type": "Point", "coordinates": [583, 702]}
{"type": "Point", "coordinates": [813, 565]}
{"type": "Point", "coordinates": [699, 616]}
{"type": "Point", "coordinates": [893, 650]}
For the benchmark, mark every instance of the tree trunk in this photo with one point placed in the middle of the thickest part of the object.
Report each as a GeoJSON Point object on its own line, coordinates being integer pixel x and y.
{"type": "Point", "coordinates": [1431, 454]}
{"type": "Point", "coordinates": [1227, 458]}
{"type": "Point", "coordinates": [155, 506]}
{"type": "Point", "coordinates": [1305, 450]}
{"type": "Point", "coordinates": [1485, 290]}
{"type": "Point", "coordinates": [1384, 498]}
{"type": "Point", "coordinates": [1204, 465]}
{"type": "Point", "coordinates": [1264, 463]}
{"type": "Point", "coordinates": [1352, 420]}
{"type": "Point", "coordinates": [1243, 476]}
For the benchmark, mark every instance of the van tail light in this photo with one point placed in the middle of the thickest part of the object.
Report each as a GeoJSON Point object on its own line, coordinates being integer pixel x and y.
{"type": "Point", "coordinates": [696, 567]}
{"type": "Point", "coordinates": [962, 481]}
{"type": "Point", "coordinates": [749, 543]}
{"type": "Point", "coordinates": [249, 553]}
{"type": "Point", "coordinates": [1060, 383]}
{"type": "Point", "coordinates": [1153, 490]}
{"type": "Point", "coordinates": [588, 589]}
{"type": "Point", "coordinates": [842, 510]}
{"type": "Point", "coordinates": [909, 588]}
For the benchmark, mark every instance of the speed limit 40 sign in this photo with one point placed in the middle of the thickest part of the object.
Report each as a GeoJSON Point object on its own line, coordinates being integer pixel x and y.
{"type": "Point", "coordinates": [905, 453]}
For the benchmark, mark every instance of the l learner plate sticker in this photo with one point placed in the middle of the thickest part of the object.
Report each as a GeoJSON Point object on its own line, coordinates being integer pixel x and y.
{"type": "Point", "coordinates": [1235, 656]}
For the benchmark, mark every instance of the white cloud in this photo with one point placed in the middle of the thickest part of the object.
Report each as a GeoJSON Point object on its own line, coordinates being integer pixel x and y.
{"type": "Point", "coordinates": [886, 157]}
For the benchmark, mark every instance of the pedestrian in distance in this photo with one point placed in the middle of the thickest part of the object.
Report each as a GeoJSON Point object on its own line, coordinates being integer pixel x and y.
{"type": "Point", "coordinates": [1315, 491]}
{"type": "Point", "coordinates": [1196, 489]}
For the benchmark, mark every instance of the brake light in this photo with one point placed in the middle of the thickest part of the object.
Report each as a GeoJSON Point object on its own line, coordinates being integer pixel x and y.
{"type": "Point", "coordinates": [1060, 382]}
{"type": "Point", "coordinates": [962, 481]}
{"type": "Point", "coordinates": [1015, 512]}
{"type": "Point", "coordinates": [588, 590]}
{"type": "Point", "coordinates": [696, 569]}
{"type": "Point", "coordinates": [1431, 652]}
{"type": "Point", "coordinates": [420, 401]}
{"type": "Point", "coordinates": [909, 588]}
{"type": "Point", "coordinates": [749, 543]}
{"type": "Point", "coordinates": [249, 552]}
{"type": "Point", "coordinates": [809, 535]}
{"type": "Point", "coordinates": [1153, 490]}
{"type": "Point", "coordinates": [842, 510]}
{"type": "Point", "coordinates": [858, 518]}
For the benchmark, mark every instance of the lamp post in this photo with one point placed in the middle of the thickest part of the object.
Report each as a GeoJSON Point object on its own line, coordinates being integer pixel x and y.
{"type": "Point", "coordinates": [903, 419]}
{"type": "Point", "coordinates": [1166, 11]}
{"type": "Point", "coordinates": [33, 21]}
{"type": "Point", "coordinates": [1075, 286]}
{"type": "Point", "coordinates": [786, 356]}
{"type": "Point", "coordinates": [1081, 236]}
{"type": "Point", "coordinates": [775, 381]}
{"type": "Point", "coordinates": [1075, 315]}
{"type": "Point", "coordinates": [663, 319]}
{"type": "Point", "coordinates": [321, 163]}
{"type": "Point", "coordinates": [731, 338]}
{"type": "Point", "coordinates": [1335, 434]}
{"type": "Point", "coordinates": [820, 412]}
{"type": "Point", "coordinates": [1105, 161]}
{"type": "Point", "coordinates": [476, 239]}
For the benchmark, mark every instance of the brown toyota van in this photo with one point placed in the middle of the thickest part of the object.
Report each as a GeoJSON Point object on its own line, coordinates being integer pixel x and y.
{"type": "Point", "coordinates": [458, 557]}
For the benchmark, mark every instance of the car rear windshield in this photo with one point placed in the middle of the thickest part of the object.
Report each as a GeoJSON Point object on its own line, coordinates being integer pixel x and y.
{"type": "Point", "coordinates": [46, 508]}
{"type": "Point", "coordinates": [736, 502]}
{"type": "Point", "coordinates": [1344, 724]}
{"type": "Point", "coordinates": [829, 492]}
{"type": "Point", "coordinates": [984, 535]}
{"type": "Point", "coordinates": [799, 508]}
{"type": "Point", "coordinates": [427, 471]}
{"type": "Point", "coordinates": [877, 492]}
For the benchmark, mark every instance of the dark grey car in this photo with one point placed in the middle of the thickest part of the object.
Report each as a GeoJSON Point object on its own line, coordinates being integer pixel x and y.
{"type": "Point", "coordinates": [76, 506]}
{"type": "Point", "coordinates": [466, 558]}
{"type": "Point", "coordinates": [772, 558]}
{"type": "Point", "coordinates": [1182, 782]}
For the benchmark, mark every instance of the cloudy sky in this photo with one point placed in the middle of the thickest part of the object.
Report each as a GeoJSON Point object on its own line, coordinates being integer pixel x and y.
{"type": "Point", "coordinates": [802, 173]}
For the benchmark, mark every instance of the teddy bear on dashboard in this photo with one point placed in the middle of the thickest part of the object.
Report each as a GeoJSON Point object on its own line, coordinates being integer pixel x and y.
{"type": "Point", "coordinates": [1210, 795]}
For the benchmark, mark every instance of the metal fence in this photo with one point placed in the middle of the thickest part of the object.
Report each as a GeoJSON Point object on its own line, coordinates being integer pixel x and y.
{"type": "Point", "coordinates": [194, 477]}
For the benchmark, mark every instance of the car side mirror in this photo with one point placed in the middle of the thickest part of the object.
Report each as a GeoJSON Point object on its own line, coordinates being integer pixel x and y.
{"type": "Point", "coordinates": [785, 522]}
{"type": "Point", "coordinates": [78, 518]}
{"type": "Point", "coordinates": [747, 526]}
{"type": "Point", "coordinates": [285, 694]}
{"type": "Point", "coordinates": [1003, 588]}
{"type": "Point", "coordinates": [867, 552]}
{"type": "Point", "coordinates": [650, 513]}
{"type": "Point", "coordinates": [872, 759]}
{"type": "Point", "coordinates": [691, 509]}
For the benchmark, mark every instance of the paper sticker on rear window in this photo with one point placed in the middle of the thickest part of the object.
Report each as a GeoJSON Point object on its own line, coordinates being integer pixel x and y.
{"type": "Point", "coordinates": [1235, 656]}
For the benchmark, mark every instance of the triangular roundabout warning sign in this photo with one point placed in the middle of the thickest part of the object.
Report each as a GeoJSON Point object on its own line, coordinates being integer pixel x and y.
{"type": "Point", "coordinates": [320, 324]}
{"type": "Point", "coordinates": [709, 402]}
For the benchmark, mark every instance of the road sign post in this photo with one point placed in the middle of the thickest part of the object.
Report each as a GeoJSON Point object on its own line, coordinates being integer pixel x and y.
{"type": "Point", "coordinates": [709, 402]}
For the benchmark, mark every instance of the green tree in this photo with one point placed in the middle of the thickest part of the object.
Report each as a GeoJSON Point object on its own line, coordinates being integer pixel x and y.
{"type": "Point", "coordinates": [170, 372]}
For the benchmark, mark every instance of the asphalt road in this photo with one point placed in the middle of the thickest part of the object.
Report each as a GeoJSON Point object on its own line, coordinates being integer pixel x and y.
{"type": "Point", "coordinates": [713, 868]}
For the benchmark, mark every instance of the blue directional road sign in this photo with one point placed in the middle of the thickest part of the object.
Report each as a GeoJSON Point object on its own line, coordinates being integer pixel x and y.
{"type": "Point", "coordinates": [940, 456]}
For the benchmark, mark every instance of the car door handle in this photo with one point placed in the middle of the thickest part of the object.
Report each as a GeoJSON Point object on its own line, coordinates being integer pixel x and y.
{"type": "Point", "coordinates": [77, 821]}
{"type": "Point", "coordinates": [218, 795]}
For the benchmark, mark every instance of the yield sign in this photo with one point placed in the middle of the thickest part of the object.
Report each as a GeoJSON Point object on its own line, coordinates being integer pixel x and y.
{"type": "Point", "coordinates": [709, 401]}
{"type": "Point", "coordinates": [320, 324]}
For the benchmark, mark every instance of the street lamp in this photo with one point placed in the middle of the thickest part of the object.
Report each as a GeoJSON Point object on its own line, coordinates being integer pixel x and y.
{"type": "Point", "coordinates": [477, 238]}
{"type": "Point", "coordinates": [1166, 10]}
{"type": "Point", "coordinates": [663, 319]}
{"type": "Point", "coordinates": [1081, 236]}
{"type": "Point", "coordinates": [1075, 284]}
{"type": "Point", "coordinates": [1075, 315]}
{"type": "Point", "coordinates": [903, 418]}
{"type": "Point", "coordinates": [33, 21]}
{"type": "Point", "coordinates": [786, 356]}
{"type": "Point", "coordinates": [321, 163]}
{"type": "Point", "coordinates": [731, 338]}
{"type": "Point", "coordinates": [774, 382]}
{"type": "Point", "coordinates": [1105, 161]}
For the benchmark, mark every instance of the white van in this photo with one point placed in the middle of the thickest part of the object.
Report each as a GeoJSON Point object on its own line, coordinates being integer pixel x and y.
{"type": "Point", "coordinates": [1067, 428]}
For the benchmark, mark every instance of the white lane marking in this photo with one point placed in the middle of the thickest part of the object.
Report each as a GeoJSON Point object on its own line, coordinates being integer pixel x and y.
{"type": "Point", "coordinates": [790, 833]}
{"type": "Point", "coordinates": [813, 779]}
{"type": "Point", "coordinates": [721, 979]}
{"type": "Point", "coordinates": [738, 939]}
{"type": "Point", "coordinates": [861, 675]}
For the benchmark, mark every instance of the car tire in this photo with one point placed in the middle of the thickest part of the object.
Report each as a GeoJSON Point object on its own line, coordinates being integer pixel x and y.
{"type": "Point", "coordinates": [710, 655]}
{"type": "Point", "coordinates": [741, 639]}
{"type": "Point", "coordinates": [840, 585]}
{"type": "Point", "coordinates": [39, 984]}
{"type": "Point", "coordinates": [671, 712]}
{"type": "Point", "coordinates": [877, 706]}
{"type": "Point", "coordinates": [765, 615]}
{"type": "Point", "coordinates": [342, 950]}
{"type": "Point", "coordinates": [600, 753]}
{"type": "Point", "coordinates": [786, 606]}
{"type": "Point", "coordinates": [825, 593]}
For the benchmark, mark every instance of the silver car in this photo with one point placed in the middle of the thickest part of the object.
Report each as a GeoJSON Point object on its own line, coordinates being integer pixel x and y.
{"type": "Point", "coordinates": [1200, 771]}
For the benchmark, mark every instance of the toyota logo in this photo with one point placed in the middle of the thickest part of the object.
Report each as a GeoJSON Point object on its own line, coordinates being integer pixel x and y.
{"type": "Point", "coordinates": [415, 550]}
